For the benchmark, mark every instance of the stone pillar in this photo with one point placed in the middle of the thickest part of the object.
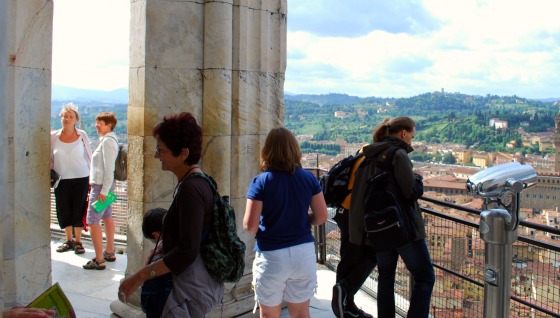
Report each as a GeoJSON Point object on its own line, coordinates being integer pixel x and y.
{"type": "Point", "coordinates": [223, 61]}
{"type": "Point", "coordinates": [25, 89]}
{"type": "Point", "coordinates": [3, 115]}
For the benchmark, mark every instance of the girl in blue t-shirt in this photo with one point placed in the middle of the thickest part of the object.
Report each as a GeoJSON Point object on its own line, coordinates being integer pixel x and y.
{"type": "Point", "coordinates": [277, 213]}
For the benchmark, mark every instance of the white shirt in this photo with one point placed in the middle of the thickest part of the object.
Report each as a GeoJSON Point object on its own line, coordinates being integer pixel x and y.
{"type": "Point", "coordinates": [70, 159]}
{"type": "Point", "coordinates": [103, 162]}
{"type": "Point", "coordinates": [55, 140]}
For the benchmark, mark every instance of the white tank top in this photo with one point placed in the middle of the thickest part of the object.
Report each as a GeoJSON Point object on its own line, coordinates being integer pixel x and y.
{"type": "Point", "coordinates": [70, 160]}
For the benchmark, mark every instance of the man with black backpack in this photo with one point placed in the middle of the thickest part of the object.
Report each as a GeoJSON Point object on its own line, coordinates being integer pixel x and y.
{"type": "Point", "coordinates": [399, 221]}
{"type": "Point", "coordinates": [356, 263]}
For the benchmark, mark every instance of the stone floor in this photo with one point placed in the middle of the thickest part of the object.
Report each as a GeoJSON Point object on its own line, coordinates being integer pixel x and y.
{"type": "Point", "coordinates": [91, 291]}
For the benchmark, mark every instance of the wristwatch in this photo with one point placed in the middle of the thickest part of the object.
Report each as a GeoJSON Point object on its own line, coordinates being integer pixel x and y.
{"type": "Point", "coordinates": [152, 271]}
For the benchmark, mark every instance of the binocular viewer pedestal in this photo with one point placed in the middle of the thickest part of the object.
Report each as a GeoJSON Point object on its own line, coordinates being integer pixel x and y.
{"type": "Point", "coordinates": [498, 229]}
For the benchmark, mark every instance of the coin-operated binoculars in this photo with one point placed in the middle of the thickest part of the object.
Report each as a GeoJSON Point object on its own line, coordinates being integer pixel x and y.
{"type": "Point", "coordinates": [498, 228]}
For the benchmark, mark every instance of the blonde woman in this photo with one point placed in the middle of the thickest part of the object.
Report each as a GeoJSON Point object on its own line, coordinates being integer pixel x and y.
{"type": "Point", "coordinates": [71, 158]}
{"type": "Point", "coordinates": [277, 213]}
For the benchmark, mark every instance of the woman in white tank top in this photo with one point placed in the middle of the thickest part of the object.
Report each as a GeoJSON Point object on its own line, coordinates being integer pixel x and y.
{"type": "Point", "coordinates": [71, 158]}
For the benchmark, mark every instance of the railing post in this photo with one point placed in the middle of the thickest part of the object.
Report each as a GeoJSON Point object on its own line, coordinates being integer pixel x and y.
{"type": "Point", "coordinates": [321, 243]}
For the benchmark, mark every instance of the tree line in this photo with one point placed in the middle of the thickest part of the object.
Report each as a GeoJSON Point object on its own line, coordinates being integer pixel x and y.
{"type": "Point", "coordinates": [440, 117]}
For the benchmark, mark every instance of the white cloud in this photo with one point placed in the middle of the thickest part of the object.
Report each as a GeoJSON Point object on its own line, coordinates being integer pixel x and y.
{"type": "Point", "coordinates": [497, 47]}
{"type": "Point", "coordinates": [364, 48]}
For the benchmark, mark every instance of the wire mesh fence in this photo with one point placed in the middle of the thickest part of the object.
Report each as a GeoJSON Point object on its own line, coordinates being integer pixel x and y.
{"type": "Point", "coordinates": [120, 211]}
{"type": "Point", "coordinates": [458, 255]}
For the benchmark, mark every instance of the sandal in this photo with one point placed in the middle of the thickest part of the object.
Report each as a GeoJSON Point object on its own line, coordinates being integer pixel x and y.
{"type": "Point", "coordinates": [109, 257]}
{"type": "Point", "coordinates": [79, 248]}
{"type": "Point", "coordinates": [93, 264]}
{"type": "Point", "coordinates": [66, 246]}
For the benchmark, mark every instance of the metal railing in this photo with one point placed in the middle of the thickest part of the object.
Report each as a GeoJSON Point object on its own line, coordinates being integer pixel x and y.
{"type": "Point", "coordinates": [120, 212]}
{"type": "Point", "coordinates": [458, 256]}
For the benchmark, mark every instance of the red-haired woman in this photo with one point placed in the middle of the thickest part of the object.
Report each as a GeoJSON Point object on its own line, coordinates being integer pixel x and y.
{"type": "Point", "coordinates": [195, 292]}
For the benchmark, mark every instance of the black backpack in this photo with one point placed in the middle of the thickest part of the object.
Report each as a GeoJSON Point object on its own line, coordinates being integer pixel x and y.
{"type": "Point", "coordinates": [335, 181]}
{"type": "Point", "coordinates": [386, 224]}
{"type": "Point", "coordinates": [121, 161]}
{"type": "Point", "coordinates": [222, 250]}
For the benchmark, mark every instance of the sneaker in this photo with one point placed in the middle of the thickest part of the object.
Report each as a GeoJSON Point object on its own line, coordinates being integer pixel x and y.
{"type": "Point", "coordinates": [355, 312]}
{"type": "Point", "coordinates": [338, 301]}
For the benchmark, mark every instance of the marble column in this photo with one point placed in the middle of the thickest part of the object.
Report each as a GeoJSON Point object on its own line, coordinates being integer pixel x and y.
{"type": "Point", "coordinates": [25, 89]}
{"type": "Point", "coordinates": [223, 61]}
{"type": "Point", "coordinates": [3, 115]}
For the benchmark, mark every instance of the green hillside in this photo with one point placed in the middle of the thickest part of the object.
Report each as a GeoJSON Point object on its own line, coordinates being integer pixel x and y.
{"type": "Point", "coordinates": [449, 117]}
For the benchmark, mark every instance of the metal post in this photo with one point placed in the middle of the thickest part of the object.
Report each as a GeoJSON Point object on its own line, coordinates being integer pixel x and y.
{"type": "Point", "coordinates": [498, 228]}
{"type": "Point", "coordinates": [498, 256]}
{"type": "Point", "coordinates": [323, 244]}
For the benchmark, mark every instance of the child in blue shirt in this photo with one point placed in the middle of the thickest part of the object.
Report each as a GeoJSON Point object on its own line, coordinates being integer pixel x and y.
{"type": "Point", "coordinates": [155, 291]}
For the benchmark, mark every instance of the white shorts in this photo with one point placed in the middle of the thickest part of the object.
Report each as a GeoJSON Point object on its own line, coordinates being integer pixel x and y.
{"type": "Point", "coordinates": [288, 274]}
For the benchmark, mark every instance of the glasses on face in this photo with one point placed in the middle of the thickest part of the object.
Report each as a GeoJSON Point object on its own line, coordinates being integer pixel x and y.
{"type": "Point", "coordinates": [158, 151]}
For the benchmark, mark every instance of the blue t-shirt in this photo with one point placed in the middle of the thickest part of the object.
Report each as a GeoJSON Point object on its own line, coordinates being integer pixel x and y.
{"type": "Point", "coordinates": [284, 220]}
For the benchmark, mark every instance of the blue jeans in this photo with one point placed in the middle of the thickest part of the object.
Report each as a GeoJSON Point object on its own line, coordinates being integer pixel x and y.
{"type": "Point", "coordinates": [417, 259]}
{"type": "Point", "coordinates": [154, 295]}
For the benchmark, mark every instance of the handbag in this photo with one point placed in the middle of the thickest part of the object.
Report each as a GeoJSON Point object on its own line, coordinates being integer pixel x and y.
{"type": "Point", "coordinates": [55, 179]}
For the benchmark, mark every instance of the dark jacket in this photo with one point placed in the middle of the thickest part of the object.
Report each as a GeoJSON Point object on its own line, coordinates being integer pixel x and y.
{"type": "Point", "coordinates": [407, 181]}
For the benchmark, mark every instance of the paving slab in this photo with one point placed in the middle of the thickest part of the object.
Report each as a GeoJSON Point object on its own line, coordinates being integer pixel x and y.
{"type": "Point", "coordinates": [92, 291]}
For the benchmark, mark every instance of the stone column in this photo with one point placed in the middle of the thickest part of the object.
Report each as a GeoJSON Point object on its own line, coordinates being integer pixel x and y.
{"type": "Point", "coordinates": [258, 100]}
{"type": "Point", "coordinates": [25, 89]}
{"type": "Point", "coordinates": [3, 115]}
{"type": "Point", "coordinates": [223, 61]}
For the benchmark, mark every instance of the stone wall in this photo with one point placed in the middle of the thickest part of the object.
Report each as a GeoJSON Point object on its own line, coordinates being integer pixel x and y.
{"type": "Point", "coordinates": [26, 93]}
{"type": "Point", "coordinates": [223, 61]}
{"type": "Point", "coordinates": [3, 141]}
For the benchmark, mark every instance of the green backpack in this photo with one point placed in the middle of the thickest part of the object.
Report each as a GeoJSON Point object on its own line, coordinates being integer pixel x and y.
{"type": "Point", "coordinates": [222, 250]}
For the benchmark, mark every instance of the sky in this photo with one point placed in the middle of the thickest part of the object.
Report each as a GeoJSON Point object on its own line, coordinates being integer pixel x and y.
{"type": "Point", "coordinates": [396, 48]}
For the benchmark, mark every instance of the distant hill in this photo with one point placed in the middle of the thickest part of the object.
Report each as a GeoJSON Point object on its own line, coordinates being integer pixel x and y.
{"type": "Point", "coordinates": [120, 96]}
{"type": "Point", "coordinates": [332, 98]}
{"type": "Point", "coordinates": [63, 93]}
{"type": "Point", "coordinates": [344, 99]}
{"type": "Point", "coordinates": [549, 100]}
{"type": "Point", "coordinates": [440, 117]}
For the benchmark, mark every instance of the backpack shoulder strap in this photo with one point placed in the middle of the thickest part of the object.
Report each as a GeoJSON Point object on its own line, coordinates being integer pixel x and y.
{"type": "Point", "coordinates": [217, 199]}
{"type": "Point", "coordinates": [118, 145]}
{"type": "Point", "coordinates": [208, 178]}
{"type": "Point", "coordinates": [385, 160]}
{"type": "Point", "coordinates": [115, 139]}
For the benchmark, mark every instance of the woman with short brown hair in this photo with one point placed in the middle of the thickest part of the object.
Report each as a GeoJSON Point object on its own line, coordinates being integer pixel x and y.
{"type": "Point", "coordinates": [102, 180]}
{"type": "Point", "coordinates": [195, 292]}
